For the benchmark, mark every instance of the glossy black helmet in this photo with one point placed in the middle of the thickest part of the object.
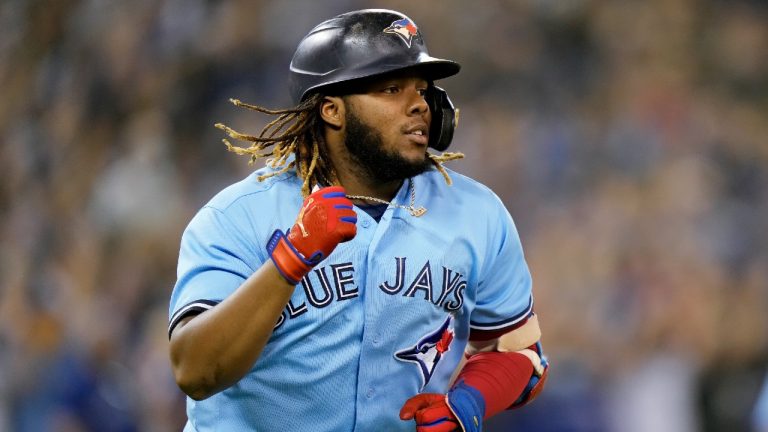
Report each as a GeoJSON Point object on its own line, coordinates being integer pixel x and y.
{"type": "Point", "coordinates": [365, 44]}
{"type": "Point", "coordinates": [361, 44]}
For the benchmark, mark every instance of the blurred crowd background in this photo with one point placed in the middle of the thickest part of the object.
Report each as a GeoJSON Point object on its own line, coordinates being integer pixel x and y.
{"type": "Point", "coordinates": [629, 140]}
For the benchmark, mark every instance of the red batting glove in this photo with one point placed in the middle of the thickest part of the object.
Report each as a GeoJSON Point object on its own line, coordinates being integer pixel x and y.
{"type": "Point", "coordinates": [326, 219]}
{"type": "Point", "coordinates": [462, 409]}
{"type": "Point", "coordinates": [431, 413]}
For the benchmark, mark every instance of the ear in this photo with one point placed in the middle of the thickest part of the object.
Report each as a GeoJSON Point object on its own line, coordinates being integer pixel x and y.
{"type": "Point", "coordinates": [332, 111]}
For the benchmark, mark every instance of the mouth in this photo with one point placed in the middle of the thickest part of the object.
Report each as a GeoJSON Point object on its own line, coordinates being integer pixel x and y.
{"type": "Point", "coordinates": [418, 133]}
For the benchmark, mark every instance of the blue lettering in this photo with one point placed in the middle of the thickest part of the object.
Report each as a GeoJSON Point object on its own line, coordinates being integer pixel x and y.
{"type": "Point", "coordinates": [399, 278]}
{"type": "Point", "coordinates": [459, 295]}
{"type": "Point", "coordinates": [310, 291]}
{"type": "Point", "coordinates": [422, 282]}
{"type": "Point", "coordinates": [344, 274]}
{"type": "Point", "coordinates": [449, 284]}
{"type": "Point", "coordinates": [294, 311]}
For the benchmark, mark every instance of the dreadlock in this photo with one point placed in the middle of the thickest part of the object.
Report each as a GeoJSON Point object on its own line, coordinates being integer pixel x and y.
{"type": "Point", "coordinates": [298, 131]}
{"type": "Point", "coordinates": [295, 131]}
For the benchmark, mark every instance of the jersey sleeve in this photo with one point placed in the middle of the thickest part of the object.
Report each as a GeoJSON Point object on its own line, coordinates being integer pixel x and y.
{"type": "Point", "coordinates": [504, 301]}
{"type": "Point", "coordinates": [214, 260]}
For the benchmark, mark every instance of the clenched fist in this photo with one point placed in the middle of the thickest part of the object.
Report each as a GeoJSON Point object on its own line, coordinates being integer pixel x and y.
{"type": "Point", "coordinates": [326, 219]}
{"type": "Point", "coordinates": [462, 409]}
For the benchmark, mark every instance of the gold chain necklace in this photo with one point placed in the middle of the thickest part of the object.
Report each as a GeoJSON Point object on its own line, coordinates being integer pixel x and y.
{"type": "Point", "coordinates": [414, 211]}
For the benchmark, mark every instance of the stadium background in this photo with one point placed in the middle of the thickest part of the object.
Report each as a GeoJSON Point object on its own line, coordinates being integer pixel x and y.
{"type": "Point", "coordinates": [629, 139]}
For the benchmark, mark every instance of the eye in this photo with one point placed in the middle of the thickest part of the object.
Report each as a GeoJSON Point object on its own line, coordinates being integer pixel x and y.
{"type": "Point", "coordinates": [391, 89]}
{"type": "Point", "coordinates": [422, 92]}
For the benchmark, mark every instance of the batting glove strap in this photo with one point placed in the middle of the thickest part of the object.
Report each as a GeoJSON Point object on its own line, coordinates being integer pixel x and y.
{"type": "Point", "coordinates": [468, 405]}
{"type": "Point", "coordinates": [289, 261]}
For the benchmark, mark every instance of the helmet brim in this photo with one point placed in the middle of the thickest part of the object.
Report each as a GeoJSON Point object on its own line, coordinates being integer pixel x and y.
{"type": "Point", "coordinates": [430, 68]}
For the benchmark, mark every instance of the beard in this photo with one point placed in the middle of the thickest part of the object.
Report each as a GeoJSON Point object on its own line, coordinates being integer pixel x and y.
{"type": "Point", "coordinates": [366, 149]}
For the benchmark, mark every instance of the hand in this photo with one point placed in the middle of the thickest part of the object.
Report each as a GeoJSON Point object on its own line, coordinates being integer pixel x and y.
{"type": "Point", "coordinates": [326, 219]}
{"type": "Point", "coordinates": [431, 413]}
{"type": "Point", "coordinates": [461, 409]}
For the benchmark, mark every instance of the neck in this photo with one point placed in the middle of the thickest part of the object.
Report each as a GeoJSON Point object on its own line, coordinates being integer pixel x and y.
{"type": "Point", "coordinates": [356, 184]}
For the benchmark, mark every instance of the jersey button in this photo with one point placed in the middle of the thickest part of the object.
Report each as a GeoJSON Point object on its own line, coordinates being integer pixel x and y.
{"type": "Point", "coordinates": [370, 393]}
{"type": "Point", "coordinates": [365, 223]}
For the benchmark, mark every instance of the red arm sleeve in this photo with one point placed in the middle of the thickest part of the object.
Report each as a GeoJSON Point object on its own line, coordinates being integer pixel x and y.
{"type": "Point", "coordinates": [505, 379]}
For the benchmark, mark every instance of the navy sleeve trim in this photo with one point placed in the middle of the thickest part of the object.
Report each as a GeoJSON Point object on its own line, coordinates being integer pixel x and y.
{"type": "Point", "coordinates": [485, 335]}
{"type": "Point", "coordinates": [508, 323]}
{"type": "Point", "coordinates": [192, 308]}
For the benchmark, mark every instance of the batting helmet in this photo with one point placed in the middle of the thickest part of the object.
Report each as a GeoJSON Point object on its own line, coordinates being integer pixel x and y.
{"type": "Point", "coordinates": [368, 43]}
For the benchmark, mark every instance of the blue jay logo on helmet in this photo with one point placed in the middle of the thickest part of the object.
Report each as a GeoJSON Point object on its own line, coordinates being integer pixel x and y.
{"type": "Point", "coordinates": [405, 28]}
{"type": "Point", "coordinates": [428, 351]}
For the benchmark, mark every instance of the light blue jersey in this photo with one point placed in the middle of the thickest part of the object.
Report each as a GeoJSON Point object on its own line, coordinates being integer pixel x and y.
{"type": "Point", "coordinates": [384, 317]}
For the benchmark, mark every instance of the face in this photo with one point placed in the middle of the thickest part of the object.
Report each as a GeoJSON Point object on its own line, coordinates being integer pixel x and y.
{"type": "Point", "coordinates": [387, 127]}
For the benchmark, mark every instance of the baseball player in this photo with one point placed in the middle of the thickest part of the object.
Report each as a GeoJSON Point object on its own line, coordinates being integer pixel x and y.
{"type": "Point", "coordinates": [354, 282]}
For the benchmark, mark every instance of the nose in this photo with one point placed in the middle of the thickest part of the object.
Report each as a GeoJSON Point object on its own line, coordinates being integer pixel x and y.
{"type": "Point", "coordinates": [418, 104]}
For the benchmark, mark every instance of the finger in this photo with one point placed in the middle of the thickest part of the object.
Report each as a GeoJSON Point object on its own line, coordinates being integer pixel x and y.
{"type": "Point", "coordinates": [443, 426]}
{"type": "Point", "coordinates": [347, 233]}
{"type": "Point", "coordinates": [338, 196]}
{"type": "Point", "coordinates": [412, 405]}
{"type": "Point", "coordinates": [409, 409]}
{"type": "Point", "coordinates": [341, 205]}
{"type": "Point", "coordinates": [326, 189]}
{"type": "Point", "coordinates": [434, 413]}
{"type": "Point", "coordinates": [346, 215]}
{"type": "Point", "coordinates": [342, 220]}
{"type": "Point", "coordinates": [347, 227]}
{"type": "Point", "coordinates": [348, 219]}
{"type": "Point", "coordinates": [417, 403]}
{"type": "Point", "coordinates": [333, 192]}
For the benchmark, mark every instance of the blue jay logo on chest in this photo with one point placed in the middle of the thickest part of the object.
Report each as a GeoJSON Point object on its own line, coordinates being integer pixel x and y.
{"type": "Point", "coordinates": [428, 351]}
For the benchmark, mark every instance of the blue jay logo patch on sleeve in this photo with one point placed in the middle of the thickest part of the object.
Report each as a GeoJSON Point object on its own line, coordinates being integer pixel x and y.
{"type": "Point", "coordinates": [428, 351]}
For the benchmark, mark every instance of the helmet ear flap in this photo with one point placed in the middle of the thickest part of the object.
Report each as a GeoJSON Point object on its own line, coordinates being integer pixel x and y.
{"type": "Point", "coordinates": [445, 117]}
